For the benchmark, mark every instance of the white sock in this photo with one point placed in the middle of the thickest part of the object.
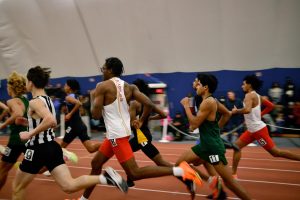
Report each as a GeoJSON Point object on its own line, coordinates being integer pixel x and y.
{"type": "Point", "coordinates": [83, 198]}
{"type": "Point", "coordinates": [210, 179]}
{"type": "Point", "coordinates": [177, 171]}
{"type": "Point", "coordinates": [102, 179]}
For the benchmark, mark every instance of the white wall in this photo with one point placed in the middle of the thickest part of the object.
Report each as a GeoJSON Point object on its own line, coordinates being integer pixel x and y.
{"type": "Point", "coordinates": [73, 37]}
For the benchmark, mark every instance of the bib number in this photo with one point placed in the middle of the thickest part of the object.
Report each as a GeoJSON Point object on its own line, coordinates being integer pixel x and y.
{"type": "Point", "coordinates": [29, 154]}
{"type": "Point", "coordinates": [7, 151]}
{"type": "Point", "coordinates": [214, 158]}
{"type": "Point", "coordinates": [262, 142]}
{"type": "Point", "coordinates": [113, 142]}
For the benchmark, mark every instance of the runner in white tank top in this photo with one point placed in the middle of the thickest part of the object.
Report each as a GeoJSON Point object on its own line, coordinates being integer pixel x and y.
{"type": "Point", "coordinates": [257, 129]}
{"type": "Point", "coordinates": [253, 119]}
{"type": "Point", "coordinates": [110, 100]}
{"type": "Point", "coordinates": [116, 115]}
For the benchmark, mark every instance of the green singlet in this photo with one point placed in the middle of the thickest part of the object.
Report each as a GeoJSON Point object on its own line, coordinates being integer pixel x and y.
{"type": "Point", "coordinates": [14, 138]}
{"type": "Point", "coordinates": [211, 147]}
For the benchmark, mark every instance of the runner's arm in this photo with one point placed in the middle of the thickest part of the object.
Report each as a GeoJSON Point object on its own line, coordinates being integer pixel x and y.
{"type": "Point", "coordinates": [160, 114]}
{"type": "Point", "coordinates": [202, 114]}
{"type": "Point", "coordinates": [74, 101]}
{"type": "Point", "coordinates": [226, 114]}
{"type": "Point", "coordinates": [269, 106]}
{"type": "Point", "coordinates": [132, 111]}
{"type": "Point", "coordinates": [145, 101]}
{"type": "Point", "coordinates": [97, 100]}
{"type": "Point", "coordinates": [247, 108]}
{"type": "Point", "coordinates": [5, 110]}
{"type": "Point", "coordinates": [15, 111]}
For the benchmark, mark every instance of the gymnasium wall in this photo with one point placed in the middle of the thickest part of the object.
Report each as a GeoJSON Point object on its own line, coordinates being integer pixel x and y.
{"type": "Point", "coordinates": [179, 84]}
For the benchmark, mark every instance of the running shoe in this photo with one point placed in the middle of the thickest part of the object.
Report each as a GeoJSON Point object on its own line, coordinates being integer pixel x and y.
{"type": "Point", "coordinates": [70, 156]}
{"type": "Point", "coordinates": [217, 189]}
{"type": "Point", "coordinates": [17, 164]}
{"type": "Point", "coordinates": [47, 173]}
{"type": "Point", "coordinates": [189, 173]}
{"type": "Point", "coordinates": [113, 178]}
{"type": "Point", "coordinates": [191, 187]}
{"type": "Point", "coordinates": [222, 195]}
{"type": "Point", "coordinates": [130, 182]}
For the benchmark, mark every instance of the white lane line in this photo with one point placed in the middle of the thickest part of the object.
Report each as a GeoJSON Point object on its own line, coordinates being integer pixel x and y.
{"type": "Point", "coordinates": [142, 189]}
{"type": "Point", "coordinates": [255, 181]}
{"type": "Point", "coordinates": [243, 158]}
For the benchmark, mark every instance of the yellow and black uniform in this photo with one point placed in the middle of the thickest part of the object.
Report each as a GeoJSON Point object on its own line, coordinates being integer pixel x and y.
{"type": "Point", "coordinates": [211, 147]}
{"type": "Point", "coordinates": [15, 146]}
{"type": "Point", "coordinates": [143, 140]}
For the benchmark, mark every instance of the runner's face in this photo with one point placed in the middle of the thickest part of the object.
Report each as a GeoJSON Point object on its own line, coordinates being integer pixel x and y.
{"type": "Point", "coordinates": [66, 88]}
{"type": "Point", "coordinates": [245, 86]}
{"type": "Point", "coordinates": [104, 72]}
{"type": "Point", "coordinates": [199, 88]}
{"type": "Point", "coordinates": [9, 90]}
{"type": "Point", "coordinates": [195, 83]}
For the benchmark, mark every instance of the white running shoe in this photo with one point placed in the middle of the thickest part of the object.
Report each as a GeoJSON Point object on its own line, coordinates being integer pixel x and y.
{"type": "Point", "coordinates": [113, 178]}
{"type": "Point", "coordinates": [70, 156]}
{"type": "Point", "coordinates": [47, 173]}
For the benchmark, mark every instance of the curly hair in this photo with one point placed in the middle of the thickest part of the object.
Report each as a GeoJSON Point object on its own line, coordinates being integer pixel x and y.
{"type": "Point", "coordinates": [17, 83]}
{"type": "Point", "coordinates": [254, 81]}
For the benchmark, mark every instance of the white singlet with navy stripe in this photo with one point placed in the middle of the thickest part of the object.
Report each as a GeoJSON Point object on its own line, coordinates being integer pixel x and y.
{"type": "Point", "coordinates": [116, 115]}
{"type": "Point", "coordinates": [47, 135]}
{"type": "Point", "coordinates": [253, 119]}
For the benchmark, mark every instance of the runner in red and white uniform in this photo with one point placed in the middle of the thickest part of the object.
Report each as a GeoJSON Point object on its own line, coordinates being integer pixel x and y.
{"type": "Point", "coordinates": [110, 100]}
{"type": "Point", "coordinates": [257, 129]}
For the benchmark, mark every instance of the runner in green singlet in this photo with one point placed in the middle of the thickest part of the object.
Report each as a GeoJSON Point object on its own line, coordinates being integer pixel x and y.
{"type": "Point", "coordinates": [17, 106]}
{"type": "Point", "coordinates": [211, 150]}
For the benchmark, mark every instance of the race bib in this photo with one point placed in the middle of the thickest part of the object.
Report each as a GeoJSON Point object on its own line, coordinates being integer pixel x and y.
{"type": "Point", "coordinates": [113, 142]}
{"type": "Point", "coordinates": [7, 151]}
{"type": "Point", "coordinates": [262, 142]}
{"type": "Point", "coordinates": [68, 130]}
{"type": "Point", "coordinates": [214, 158]}
{"type": "Point", "coordinates": [29, 154]}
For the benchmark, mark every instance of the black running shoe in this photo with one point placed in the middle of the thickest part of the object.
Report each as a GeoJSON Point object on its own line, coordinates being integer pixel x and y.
{"type": "Point", "coordinates": [130, 182]}
{"type": "Point", "coordinates": [113, 178]}
{"type": "Point", "coordinates": [191, 187]}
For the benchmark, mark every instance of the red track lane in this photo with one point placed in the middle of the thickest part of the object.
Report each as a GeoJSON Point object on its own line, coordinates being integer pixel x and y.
{"type": "Point", "coordinates": [263, 176]}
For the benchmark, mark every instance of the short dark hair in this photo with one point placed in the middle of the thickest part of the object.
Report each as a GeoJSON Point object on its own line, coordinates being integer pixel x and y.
{"type": "Point", "coordinates": [39, 76]}
{"type": "Point", "coordinates": [254, 81]}
{"type": "Point", "coordinates": [142, 85]}
{"type": "Point", "coordinates": [115, 65]}
{"type": "Point", "coordinates": [208, 80]}
{"type": "Point", "coordinates": [73, 84]}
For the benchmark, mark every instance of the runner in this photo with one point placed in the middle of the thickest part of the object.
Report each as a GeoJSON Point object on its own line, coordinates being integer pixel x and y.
{"type": "Point", "coordinates": [211, 149]}
{"type": "Point", "coordinates": [110, 100]}
{"type": "Point", "coordinates": [17, 107]}
{"type": "Point", "coordinates": [41, 148]}
{"type": "Point", "coordinates": [257, 129]}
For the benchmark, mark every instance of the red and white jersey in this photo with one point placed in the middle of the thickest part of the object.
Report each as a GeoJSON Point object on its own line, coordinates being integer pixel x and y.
{"type": "Point", "coordinates": [116, 115]}
{"type": "Point", "coordinates": [253, 119]}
